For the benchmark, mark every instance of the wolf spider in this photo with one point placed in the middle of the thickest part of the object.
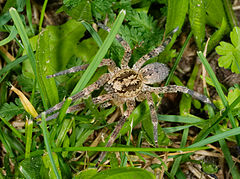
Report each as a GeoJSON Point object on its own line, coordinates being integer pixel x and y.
{"type": "Point", "coordinates": [126, 85]}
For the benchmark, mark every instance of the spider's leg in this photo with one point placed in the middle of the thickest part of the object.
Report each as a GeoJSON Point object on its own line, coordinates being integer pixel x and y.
{"type": "Point", "coordinates": [130, 107]}
{"type": "Point", "coordinates": [127, 48]}
{"type": "Point", "coordinates": [155, 52]}
{"type": "Point", "coordinates": [85, 92]}
{"type": "Point", "coordinates": [81, 106]}
{"type": "Point", "coordinates": [105, 62]}
{"type": "Point", "coordinates": [70, 70]}
{"type": "Point", "coordinates": [175, 89]}
{"type": "Point", "coordinates": [153, 117]}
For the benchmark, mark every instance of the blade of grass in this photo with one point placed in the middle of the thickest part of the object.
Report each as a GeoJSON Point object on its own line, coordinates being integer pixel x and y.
{"type": "Point", "coordinates": [22, 32]}
{"type": "Point", "coordinates": [29, 15]}
{"type": "Point", "coordinates": [93, 33]}
{"type": "Point", "coordinates": [42, 15]}
{"type": "Point", "coordinates": [170, 76]}
{"type": "Point", "coordinates": [219, 91]}
{"type": "Point", "coordinates": [67, 123]}
{"type": "Point", "coordinates": [11, 36]}
{"type": "Point", "coordinates": [6, 144]}
{"type": "Point", "coordinates": [43, 125]}
{"type": "Point", "coordinates": [12, 64]}
{"type": "Point", "coordinates": [215, 138]}
{"type": "Point", "coordinates": [177, 162]}
{"type": "Point", "coordinates": [18, 134]}
{"type": "Point", "coordinates": [64, 108]}
{"type": "Point", "coordinates": [113, 149]}
{"type": "Point", "coordinates": [100, 54]}
{"type": "Point", "coordinates": [28, 131]}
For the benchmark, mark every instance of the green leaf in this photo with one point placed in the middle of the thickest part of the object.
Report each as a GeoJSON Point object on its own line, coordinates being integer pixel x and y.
{"type": "Point", "coordinates": [129, 173]}
{"type": "Point", "coordinates": [230, 52]}
{"type": "Point", "coordinates": [235, 36]}
{"type": "Point", "coordinates": [57, 44]}
{"type": "Point", "coordinates": [86, 174]}
{"type": "Point", "coordinates": [30, 168]}
{"type": "Point", "coordinates": [177, 11]}
{"type": "Point", "coordinates": [197, 21]}
{"type": "Point", "coordinates": [48, 164]}
{"type": "Point", "coordinates": [9, 110]}
{"type": "Point", "coordinates": [78, 9]}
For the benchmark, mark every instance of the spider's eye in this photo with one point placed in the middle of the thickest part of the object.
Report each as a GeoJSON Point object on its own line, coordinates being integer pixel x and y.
{"type": "Point", "coordinates": [154, 73]}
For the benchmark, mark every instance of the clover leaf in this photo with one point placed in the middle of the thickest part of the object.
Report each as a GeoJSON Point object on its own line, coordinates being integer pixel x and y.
{"type": "Point", "coordinates": [230, 52]}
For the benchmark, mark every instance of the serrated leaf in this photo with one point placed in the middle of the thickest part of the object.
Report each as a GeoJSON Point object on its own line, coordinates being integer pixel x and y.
{"type": "Point", "coordinates": [9, 110]}
{"type": "Point", "coordinates": [78, 9]}
{"type": "Point", "coordinates": [235, 36]}
{"type": "Point", "coordinates": [225, 61]}
{"type": "Point", "coordinates": [142, 20]}
{"type": "Point", "coordinates": [233, 95]}
{"type": "Point", "coordinates": [230, 52]}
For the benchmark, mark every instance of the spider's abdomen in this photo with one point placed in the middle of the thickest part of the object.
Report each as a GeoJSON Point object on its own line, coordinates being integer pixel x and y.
{"type": "Point", "coordinates": [154, 73]}
{"type": "Point", "coordinates": [126, 83]}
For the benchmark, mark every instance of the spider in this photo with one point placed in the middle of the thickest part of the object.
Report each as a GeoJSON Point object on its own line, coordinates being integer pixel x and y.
{"type": "Point", "coordinates": [127, 85]}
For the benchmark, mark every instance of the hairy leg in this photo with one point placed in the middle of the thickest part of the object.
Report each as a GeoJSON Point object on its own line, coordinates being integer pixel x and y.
{"type": "Point", "coordinates": [153, 117]}
{"type": "Point", "coordinates": [127, 49]}
{"type": "Point", "coordinates": [175, 89]}
{"type": "Point", "coordinates": [105, 62]}
{"type": "Point", "coordinates": [130, 108]}
{"type": "Point", "coordinates": [81, 106]}
{"type": "Point", "coordinates": [155, 52]}
{"type": "Point", "coordinates": [84, 93]}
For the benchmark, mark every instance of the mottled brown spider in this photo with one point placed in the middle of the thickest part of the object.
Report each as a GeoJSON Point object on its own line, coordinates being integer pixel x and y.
{"type": "Point", "coordinates": [126, 85]}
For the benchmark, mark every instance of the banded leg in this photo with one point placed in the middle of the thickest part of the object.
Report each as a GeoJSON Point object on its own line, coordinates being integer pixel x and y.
{"type": "Point", "coordinates": [155, 52]}
{"type": "Point", "coordinates": [153, 117]}
{"type": "Point", "coordinates": [130, 107]}
{"type": "Point", "coordinates": [175, 89]}
{"type": "Point", "coordinates": [105, 62]}
{"type": "Point", "coordinates": [81, 106]}
{"type": "Point", "coordinates": [85, 92]}
{"type": "Point", "coordinates": [127, 49]}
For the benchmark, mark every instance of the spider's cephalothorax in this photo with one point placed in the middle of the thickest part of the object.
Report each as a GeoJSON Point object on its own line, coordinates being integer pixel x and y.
{"type": "Point", "coordinates": [124, 85]}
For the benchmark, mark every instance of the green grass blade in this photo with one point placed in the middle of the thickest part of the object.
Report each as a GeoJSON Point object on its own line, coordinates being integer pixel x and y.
{"type": "Point", "coordinates": [215, 138]}
{"type": "Point", "coordinates": [28, 131]}
{"type": "Point", "coordinates": [219, 90]}
{"type": "Point", "coordinates": [18, 134]}
{"type": "Point", "coordinates": [100, 54]}
{"type": "Point", "coordinates": [12, 64]}
{"type": "Point", "coordinates": [182, 119]}
{"type": "Point", "coordinates": [29, 15]}
{"type": "Point", "coordinates": [64, 108]}
{"type": "Point", "coordinates": [93, 33]}
{"type": "Point", "coordinates": [67, 123]}
{"type": "Point", "coordinates": [42, 14]}
{"type": "Point", "coordinates": [43, 125]}
{"type": "Point", "coordinates": [22, 32]}
{"type": "Point", "coordinates": [11, 36]}
{"type": "Point", "coordinates": [177, 162]}
{"type": "Point", "coordinates": [179, 57]}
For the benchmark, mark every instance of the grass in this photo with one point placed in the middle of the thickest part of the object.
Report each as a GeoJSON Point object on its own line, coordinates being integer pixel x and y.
{"type": "Point", "coordinates": [69, 145]}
